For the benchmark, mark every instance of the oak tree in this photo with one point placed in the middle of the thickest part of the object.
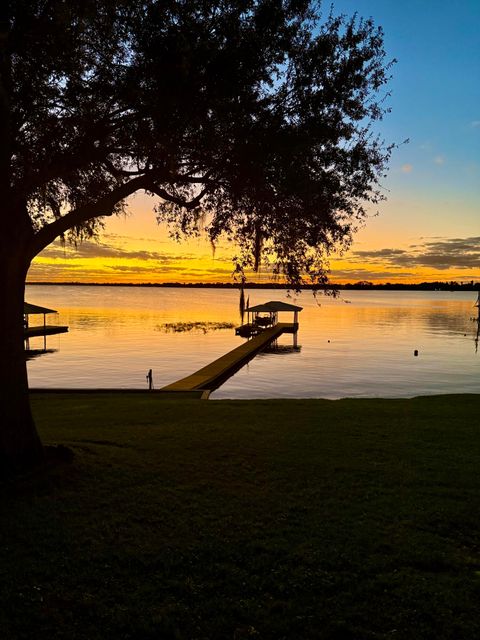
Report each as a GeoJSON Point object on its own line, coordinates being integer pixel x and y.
{"type": "Point", "coordinates": [255, 116]}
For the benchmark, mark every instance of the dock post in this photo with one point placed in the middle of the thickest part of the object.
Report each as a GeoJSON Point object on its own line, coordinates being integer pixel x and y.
{"type": "Point", "coordinates": [295, 330]}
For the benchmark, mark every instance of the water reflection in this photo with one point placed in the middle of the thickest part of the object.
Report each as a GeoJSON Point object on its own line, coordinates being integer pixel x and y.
{"type": "Point", "coordinates": [280, 349]}
{"type": "Point", "coordinates": [477, 333]}
{"type": "Point", "coordinates": [35, 353]}
{"type": "Point", "coordinates": [363, 348]}
{"type": "Point", "coordinates": [446, 319]}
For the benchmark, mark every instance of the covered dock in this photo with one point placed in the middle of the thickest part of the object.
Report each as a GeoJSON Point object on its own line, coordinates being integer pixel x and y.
{"type": "Point", "coordinates": [261, 316]}
{"type": "Point", "coordinates": [39, 329]}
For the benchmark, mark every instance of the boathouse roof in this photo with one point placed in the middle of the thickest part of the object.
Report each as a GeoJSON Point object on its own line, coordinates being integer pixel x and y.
{"type": "Point", "coordinates": [274, 305]}
{"type": "Point", "coordinates": [32, 309]}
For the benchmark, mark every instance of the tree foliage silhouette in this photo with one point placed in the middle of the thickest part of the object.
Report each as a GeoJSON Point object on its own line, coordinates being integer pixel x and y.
{"type": "Point", "coordinates": [252, 117]}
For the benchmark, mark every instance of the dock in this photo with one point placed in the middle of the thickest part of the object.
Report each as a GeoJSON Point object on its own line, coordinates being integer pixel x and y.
{"type": "Point", "coordinates": [209, 378]}
{"type": "Point", "coordinates": [43, 330]}
{"type": "Point", "coordinates": [38, 330]}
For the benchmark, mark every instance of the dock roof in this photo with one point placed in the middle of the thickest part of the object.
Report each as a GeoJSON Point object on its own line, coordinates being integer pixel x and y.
{"type": "Point", "coordinates": [274, 305]}
{"type": "Point", "coordinates": [32, 309]}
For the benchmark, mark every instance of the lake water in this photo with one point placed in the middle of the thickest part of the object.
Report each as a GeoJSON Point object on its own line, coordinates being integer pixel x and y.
{"type": "Point", "coordinates": [359, 345]}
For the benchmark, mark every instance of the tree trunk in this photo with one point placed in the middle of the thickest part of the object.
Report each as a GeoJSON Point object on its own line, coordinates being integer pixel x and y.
{"type": "Point", "coordinates": [20, 446]}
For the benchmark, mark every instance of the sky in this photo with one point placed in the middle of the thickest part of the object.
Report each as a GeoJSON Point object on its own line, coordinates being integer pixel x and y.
{"type": "Point", "coordinates": [429, 227]}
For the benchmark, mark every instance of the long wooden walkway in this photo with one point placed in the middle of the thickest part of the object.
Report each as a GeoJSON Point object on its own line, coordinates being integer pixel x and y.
{"type": "Point", "coordinates": [211, 377]}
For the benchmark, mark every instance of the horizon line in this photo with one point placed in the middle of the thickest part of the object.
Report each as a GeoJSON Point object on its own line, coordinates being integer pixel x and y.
{"type": "Point", "coordinates": [361, 284]}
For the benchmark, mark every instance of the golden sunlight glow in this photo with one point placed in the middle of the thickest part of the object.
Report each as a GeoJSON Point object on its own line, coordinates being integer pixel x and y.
{"type": "Point", "coordinates": [396, 246]}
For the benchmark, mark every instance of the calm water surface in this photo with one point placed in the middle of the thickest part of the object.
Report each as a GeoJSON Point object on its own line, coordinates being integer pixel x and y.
{"type": "Point", "coordinates": [359, 345]}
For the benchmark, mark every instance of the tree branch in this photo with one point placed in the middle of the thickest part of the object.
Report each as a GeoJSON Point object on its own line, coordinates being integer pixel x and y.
{"type": "Point", "coordinates": [105, 207]}
{"type": "Point", "coordinates": [102, 207]}
{"type": "Point", "coordinates": [191, 204]}
{"type": "Point", "coordinates": [116, 171]}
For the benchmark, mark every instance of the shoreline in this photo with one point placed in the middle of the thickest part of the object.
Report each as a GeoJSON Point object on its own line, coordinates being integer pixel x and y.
{"type": "Point", "coordinates": [181, 394]}
{"type": "Point", "coordinates": [423, 286]}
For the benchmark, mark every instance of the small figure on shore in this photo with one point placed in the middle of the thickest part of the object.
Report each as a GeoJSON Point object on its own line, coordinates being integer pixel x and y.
{"type": "Point", "coordinates": [150, 379]}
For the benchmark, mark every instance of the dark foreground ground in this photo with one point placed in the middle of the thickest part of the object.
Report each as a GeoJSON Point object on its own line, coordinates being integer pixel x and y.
{"type": "Point", "coordinates": [188, 519]}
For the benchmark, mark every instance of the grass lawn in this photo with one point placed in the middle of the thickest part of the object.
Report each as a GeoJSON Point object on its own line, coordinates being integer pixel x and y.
{"type": "Point", "coordinates": [187, 519]}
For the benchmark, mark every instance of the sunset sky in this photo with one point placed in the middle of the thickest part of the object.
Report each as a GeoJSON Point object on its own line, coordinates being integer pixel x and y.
{"type": "Point", "coordinates": [429, 228]}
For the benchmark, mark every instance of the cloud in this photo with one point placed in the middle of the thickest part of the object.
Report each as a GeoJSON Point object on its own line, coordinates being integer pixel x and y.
{"type": "Point", "coordinates": [111, 259]}
{"type": "Point", "coordinates": [407, 168]}
{"type": "Point", "coordinates": [62, 271]}
{"type": "Point", "coordinates": [117, 237]}
{"type": "Point", "coordinates": [368, 274]}
{"type": "Point", "coordinates": [207, 271]}
{"type": "Point", "coordinates": [381, 254]}
{"type": "Point", "coordinates": [126, 268]}
{"type": "Point", "coordinates": [112, 272]}
{"type": "Point", "coordinates": [90, 249]}
{"type": "Point", "coordinates": [439, 160]}
{"type": "Point", "coordinates": [442, 254]}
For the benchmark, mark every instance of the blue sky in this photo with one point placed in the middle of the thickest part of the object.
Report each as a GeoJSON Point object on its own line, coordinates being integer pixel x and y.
{"type": "Point", "coordinates": [435, 90]}
{"type": "Point", "coordinates": [433, 185]}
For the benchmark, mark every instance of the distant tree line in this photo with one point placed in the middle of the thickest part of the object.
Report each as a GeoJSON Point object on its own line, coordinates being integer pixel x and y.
{"type": "Point", "coordinates": [451, 285]}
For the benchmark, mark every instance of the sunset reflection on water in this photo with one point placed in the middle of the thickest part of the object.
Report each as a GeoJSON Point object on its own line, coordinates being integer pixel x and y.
{"type": "Point", "coordinates": [360, 344]}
